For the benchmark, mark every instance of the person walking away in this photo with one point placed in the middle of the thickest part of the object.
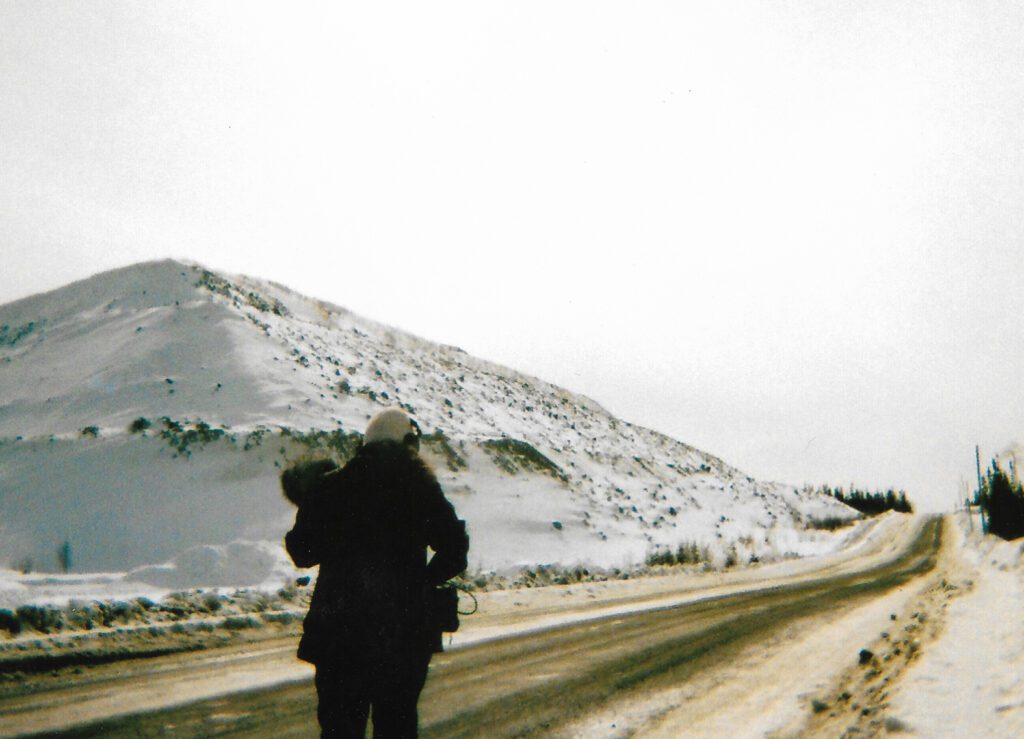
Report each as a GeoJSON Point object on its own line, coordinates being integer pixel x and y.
{"type": "Point", "coordinates": [368, 525]}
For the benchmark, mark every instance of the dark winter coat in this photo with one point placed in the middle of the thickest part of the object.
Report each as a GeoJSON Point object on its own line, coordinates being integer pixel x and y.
{"type": "Point", "coordinates": [368, 526]}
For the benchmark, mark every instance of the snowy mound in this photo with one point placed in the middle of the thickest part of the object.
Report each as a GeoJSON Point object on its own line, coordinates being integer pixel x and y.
{"type": "Point", "coordinates": [149, 412]}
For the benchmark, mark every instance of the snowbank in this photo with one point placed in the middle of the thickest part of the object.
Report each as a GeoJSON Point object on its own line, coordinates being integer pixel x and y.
{"type": "Point", "coordinates": [18, 589]}
{"type": "Point", "coordinates": [235, 565]}
{"type": "Point", "coordinates": [971, 681]}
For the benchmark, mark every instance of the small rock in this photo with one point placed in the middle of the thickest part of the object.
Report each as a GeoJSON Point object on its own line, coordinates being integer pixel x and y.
{"type": "Point", "coordinates": [894, 725]}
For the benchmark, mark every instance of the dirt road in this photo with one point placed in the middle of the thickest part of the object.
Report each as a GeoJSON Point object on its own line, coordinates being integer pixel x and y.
{"type": "Point", "coordinates": [531, 683]}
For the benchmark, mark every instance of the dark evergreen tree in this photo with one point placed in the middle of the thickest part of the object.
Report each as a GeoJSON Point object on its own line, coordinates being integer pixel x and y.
{"type": "Point", "coordinates": [64, 556]}
{"type": "Point", "coordinates": [871, 504]}
{"type": "Point", "coordinates": [1003, 501]}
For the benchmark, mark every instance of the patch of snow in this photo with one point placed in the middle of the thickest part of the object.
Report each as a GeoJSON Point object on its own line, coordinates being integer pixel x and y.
{"type": "Point", "coordinates": [17, 589]}
{"type": "Point", "coordinates": [971, 681]}
{"type": "Point", "coordinates": [238, 564]}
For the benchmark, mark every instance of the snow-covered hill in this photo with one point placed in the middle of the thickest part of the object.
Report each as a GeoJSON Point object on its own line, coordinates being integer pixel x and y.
{"type": "Point", "coordinates": [149, 410]}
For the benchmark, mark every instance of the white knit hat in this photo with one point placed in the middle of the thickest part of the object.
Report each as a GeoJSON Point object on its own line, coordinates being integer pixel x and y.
{"type": "Point", "coordinates": [392, 424]}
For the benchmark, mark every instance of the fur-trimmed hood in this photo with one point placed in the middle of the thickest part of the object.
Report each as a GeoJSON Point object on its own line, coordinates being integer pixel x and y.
{"type": "Point", "coordinates": [305, 480]}
{"type": "Point", "coordinates": [302, 480]}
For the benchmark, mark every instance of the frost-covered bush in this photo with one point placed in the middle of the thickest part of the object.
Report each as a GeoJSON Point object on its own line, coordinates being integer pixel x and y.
{"type": "Point", "coordinates": [139, 425]}
{"type": "Point", "coordinates": [44, 619]}
{"type": "Point", "coordinates": [438, 443]}
{"type": "Point", "coordinates": [830, 523]}
{"type": "Point", "coordinates": [9, 336]}
{"type": "Point", "coordinates": [236, 623]}
{"type": "Point", "coordinates": [9, 622]}
{"type": "Point", "coordinates": [687, 553]}
{"type": "Point", "coordinates": [513, 455]}
{"type": "Point", "coordinates": [183, 435]}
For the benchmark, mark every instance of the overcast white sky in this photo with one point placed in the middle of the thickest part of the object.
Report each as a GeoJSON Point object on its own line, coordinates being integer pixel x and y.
{"type": "Point", "coordinates": [789, 233]}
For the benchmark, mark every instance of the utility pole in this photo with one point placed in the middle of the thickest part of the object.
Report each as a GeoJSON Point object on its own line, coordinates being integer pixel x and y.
{"type": "Point", "coordinates": [977, 463]}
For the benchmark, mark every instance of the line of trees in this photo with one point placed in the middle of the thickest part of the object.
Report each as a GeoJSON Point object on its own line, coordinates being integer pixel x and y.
{"type": "Point", "coordinates": [1001, 499]}
{"type": "Point", "coordinates": [871, 503]}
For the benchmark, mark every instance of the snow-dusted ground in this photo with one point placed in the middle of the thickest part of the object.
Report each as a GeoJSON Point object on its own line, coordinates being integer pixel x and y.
{"type": "Point", "coordinates": [970, 683]}
{"type": "Point", "coordinates": [948, 662]}
{"type": "Point", "coordinates": [265, 566]}
{"type": "Point", "coordinates": [948, 649]}
{"type": "Point", "coordinates": [766, 690]}
{"type": "Point", "coordinates": [501, 613]}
